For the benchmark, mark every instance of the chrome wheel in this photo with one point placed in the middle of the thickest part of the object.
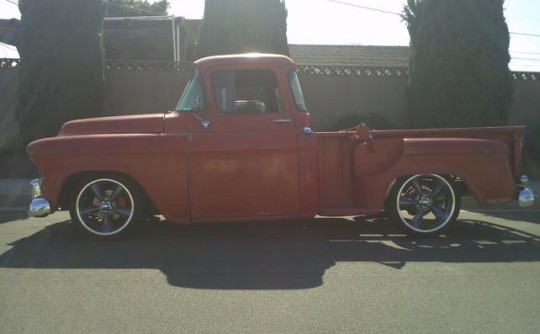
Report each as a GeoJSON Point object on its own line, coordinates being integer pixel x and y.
{"type": "Point", "coordinates": [424, 204]}
{"type": "Point", "coordinates": [104, 207]}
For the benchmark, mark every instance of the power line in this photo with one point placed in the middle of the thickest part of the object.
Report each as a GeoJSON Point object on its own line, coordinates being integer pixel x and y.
{"type": "Point", "coordinates": [13, 2]}
{"type": "Point", "coordinates": [398, 14]}
{"type": "Point", "coordinates": [365, 7]}
{"type": "Point", "coordinates": [524, 34]}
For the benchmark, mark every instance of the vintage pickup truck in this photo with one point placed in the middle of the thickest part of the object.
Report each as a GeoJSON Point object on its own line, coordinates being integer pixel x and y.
{"type": "Point", "coordinates": [239, 147]}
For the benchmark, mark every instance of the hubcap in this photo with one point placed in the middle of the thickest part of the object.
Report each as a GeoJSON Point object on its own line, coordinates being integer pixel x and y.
{"type": "Point", "coordinates": [424, 202]}
{"type": "Point", "coordinates": [106, 207]}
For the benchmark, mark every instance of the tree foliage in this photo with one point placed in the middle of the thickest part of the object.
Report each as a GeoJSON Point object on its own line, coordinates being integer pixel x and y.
{"type": "Point", "coordinates": [239, 26]}
{"type": "Point", "coordinates": [62, 68]}
{"type": "Point", "coordinates": [459, 75]}
{"type": "Point", "coordinates": [126, 8]}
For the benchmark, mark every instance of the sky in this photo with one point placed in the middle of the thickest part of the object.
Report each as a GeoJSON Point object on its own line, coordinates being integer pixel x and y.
{"type": "Point", "coordinates": [362, 22]}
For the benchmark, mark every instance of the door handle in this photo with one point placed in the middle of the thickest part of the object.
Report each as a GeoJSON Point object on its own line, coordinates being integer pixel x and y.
{"type": "Point", "coordinates": [282, 120]}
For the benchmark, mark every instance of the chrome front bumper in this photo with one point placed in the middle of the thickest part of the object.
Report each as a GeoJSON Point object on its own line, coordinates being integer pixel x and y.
{"type": "Point", "coordinates": [39, 207]}
{"type": "Point", "coordinates": [526, 196]}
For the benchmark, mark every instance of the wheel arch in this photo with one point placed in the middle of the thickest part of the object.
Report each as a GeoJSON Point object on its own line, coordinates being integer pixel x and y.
{"type": "Point", "coordinates": [70, 184]}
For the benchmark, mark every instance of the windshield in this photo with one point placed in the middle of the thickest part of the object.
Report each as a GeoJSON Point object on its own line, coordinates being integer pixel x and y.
{"type": "Point", "coordinates": [193, 97]}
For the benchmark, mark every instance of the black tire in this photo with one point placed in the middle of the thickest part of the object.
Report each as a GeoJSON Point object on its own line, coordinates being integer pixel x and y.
{"type": "Point", "coordinates": [424, 204]}
{"type": "Point", "coordinates": [107, 207]}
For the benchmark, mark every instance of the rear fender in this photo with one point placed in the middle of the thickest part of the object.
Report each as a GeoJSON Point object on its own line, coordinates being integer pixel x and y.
{"type": "Point", "coordinates": [481, 164]}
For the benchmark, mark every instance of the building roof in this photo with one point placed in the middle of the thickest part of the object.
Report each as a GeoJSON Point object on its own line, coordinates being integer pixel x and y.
{"type": "Point", "coordinates": [350, 55]}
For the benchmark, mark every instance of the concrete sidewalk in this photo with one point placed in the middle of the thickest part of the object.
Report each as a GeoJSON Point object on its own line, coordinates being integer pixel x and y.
{"type": "Point", "coordinates": [15, 195]}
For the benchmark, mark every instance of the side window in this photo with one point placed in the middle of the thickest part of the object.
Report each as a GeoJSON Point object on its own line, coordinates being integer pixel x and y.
{"type": "Point", "coordinates": [297, 91]}
{"type": "Point", "coordinates": [247, 92]}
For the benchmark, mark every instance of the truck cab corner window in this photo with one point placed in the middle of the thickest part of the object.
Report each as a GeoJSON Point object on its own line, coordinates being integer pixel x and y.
{"type": "Point", "coordinates": [193, 97]}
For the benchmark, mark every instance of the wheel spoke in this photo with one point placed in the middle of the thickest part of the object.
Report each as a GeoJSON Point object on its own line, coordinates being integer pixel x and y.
{"type": "Point", "coordinates": [438, 212]}
{"type": "Point", "coordinates": [406, 202]}
{"type": "Point", "coordinates": [116, 192]}
{"type": "Point", "coordinates": [437, 190]}
{"type": "Point", "coordinates": [123, 212]}
{"type": "Point", "coordinates": [89, 211]}
{"type": "Point", "coordinates": [107, 227]}
{"type": "Point", "coordinates": [418, 218]}
{"type": "Point", "coordinates": [416, 185]}
{"type": "Point", "coordinates": [96, 191]}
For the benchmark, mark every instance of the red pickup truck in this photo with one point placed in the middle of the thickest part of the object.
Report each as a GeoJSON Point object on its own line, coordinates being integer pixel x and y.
{"type": "Point", "coordinates": [239, 147]}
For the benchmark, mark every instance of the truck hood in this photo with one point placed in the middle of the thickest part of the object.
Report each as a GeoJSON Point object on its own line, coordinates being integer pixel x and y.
{"type": "Point", "coordinates": [150, 123]}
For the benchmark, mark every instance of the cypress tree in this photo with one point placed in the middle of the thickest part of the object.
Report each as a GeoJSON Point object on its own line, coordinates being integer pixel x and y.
{"type": "Point", "coordinates": [62, 64]}
{"type": "Point", "coordinates": [459, 75]}
{"type": "Point", "coordinates": [239, 26]}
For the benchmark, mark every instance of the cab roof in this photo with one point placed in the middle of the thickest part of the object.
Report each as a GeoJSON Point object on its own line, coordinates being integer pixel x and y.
{"type": "Point", "coordinates": [247, 58]}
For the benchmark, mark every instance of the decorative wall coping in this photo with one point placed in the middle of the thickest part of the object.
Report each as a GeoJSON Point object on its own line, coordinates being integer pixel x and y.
{"type": "Point", "coordinates": [315, 70]}
{"type": "Point", "coordinates": [354, 71]}
{"type": "Point", "coordinates": [9, 63]}
{"type": "Point", "coordinates": [141, 65]}
{"type": "Point", "coordinates": [526, 76]}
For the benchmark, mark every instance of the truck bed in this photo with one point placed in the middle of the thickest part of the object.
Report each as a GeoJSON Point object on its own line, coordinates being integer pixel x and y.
{"type": "Point", "coordinates": [341, 161]}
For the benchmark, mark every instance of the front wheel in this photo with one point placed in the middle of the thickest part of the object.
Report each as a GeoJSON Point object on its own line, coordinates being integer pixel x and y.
{"type": "Point", "coordinates": [424, 204]}
{"type": "Point", "coordinates": [106, 207]}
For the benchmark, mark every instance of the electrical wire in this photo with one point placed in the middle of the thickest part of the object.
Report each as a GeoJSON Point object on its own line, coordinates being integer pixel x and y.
{"type": "Point", "coordinates": [365, 7]}
{"type": "Point", "coordinates": [13, 2]}
{"type": "Point", "coordinates": [524, 34]}
{"type": "Point", "coordinates": [398, 14]}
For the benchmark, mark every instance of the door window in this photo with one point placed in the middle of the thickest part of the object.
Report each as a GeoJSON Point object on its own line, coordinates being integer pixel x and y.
{"type": "Point", "coordinates": [247, 92]}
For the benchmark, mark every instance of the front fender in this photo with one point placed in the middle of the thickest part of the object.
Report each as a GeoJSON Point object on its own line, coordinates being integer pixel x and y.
{"type": "Point", "coordinates": [157, 163]}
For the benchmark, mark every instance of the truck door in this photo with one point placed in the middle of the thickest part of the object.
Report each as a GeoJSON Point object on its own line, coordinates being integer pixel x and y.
{"type": "Point", "coordinates": [243, 159]}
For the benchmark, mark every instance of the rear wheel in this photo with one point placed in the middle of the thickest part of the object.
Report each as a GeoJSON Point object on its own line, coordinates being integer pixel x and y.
{"type": "Point", "coordinates": [424, 204]}
{"type": "Point", "coordinates": [106, 207]}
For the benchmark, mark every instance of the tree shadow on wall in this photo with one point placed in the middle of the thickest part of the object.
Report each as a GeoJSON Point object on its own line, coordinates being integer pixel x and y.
{"type": "Point", "coordinates": [280, 255]}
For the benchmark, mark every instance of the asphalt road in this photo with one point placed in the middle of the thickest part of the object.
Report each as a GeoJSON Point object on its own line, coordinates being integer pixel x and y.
{"type": "Point", "coordinates": [341, 275]}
